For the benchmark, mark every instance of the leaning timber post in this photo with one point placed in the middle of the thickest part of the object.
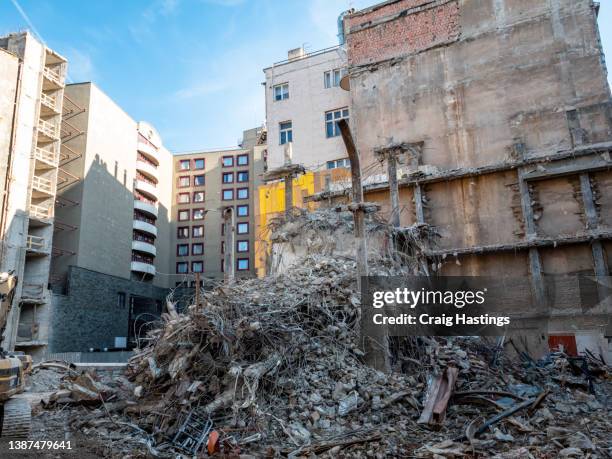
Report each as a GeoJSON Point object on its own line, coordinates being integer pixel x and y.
{"type": "Point", "coordinates": [288, 195]}
{"type": "Point", "coordinates": [393, 187]}
{"type": "Point", "coordinates": [376, 352]}
{"type": "Point", "coordinates": [592, 220]}
{"type": "Point", "coordinates": [228, 262]}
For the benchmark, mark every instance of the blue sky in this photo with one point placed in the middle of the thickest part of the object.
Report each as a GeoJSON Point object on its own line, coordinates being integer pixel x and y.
{"type": "Point", "coordinates": [193, 68]}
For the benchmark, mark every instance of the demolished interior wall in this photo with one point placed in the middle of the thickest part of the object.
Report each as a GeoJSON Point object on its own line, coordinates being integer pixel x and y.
{"type": "Point", "coordinates": [510, 102]}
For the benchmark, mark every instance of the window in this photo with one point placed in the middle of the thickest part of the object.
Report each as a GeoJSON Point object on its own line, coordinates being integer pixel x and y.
{"type": "Point", "coordinates": [243, 193]}
{"type": "Point", "coordinates": [222, 265]}
{"type": "Point", "coordinates": [332, 78]}
{"type": "Point", "coordinates": [281, 91]}
{"type": "Point", "coordinates": [286, 132]}
{"type": "Point", "coordinates": [242, 246]}
{"type": "Point", "coordinates": [197, 249]}
{"type": "Point", "coordinates": [182, 267]}
{"type": "Point", "coordinates": [197, 231]}
{"type": "Point", "coordinates": [331, 121]}
{"type": "Point", "coordinates": [242, 228]}
{"type": "Point", "coordinates": [183, 215]}
{"type": "Point", "coordinates": [183, 182]}
{"type": "Point", "coordinates": [198, 196]}
{"type": "Point", "coordinates": [198, 180]}
{"type": "Point", "coordinates": [222, 229]}
{"type": "Point", "coordinates": [198, 214]}
{"type": "Point", "coordinates": [222, 246]}
{"type": "Point", "coordinates": [335, 164]}
{"type": "Point", "coordinates": [182, 232]}
{"type": "Point", "coordinates": [121, 299]}
{"type": "Point", "coordinates": [184, 164]}
{"type": "Point", "coordinates": [243, 210]}
{"type": "Point", "coordinates": [228, 177]}
{"type": "Point", "coordinates": [197, 266]}
{"type": "Point", "coordinates": [242, 160]}
{"type": "Point", "coordinates": [228, 195]}
{"type": "Point", "coordinates": [183, 198]}
{"type": "Point", "coordinates": [182, 250]}
{"type": "Point", "coordinates": [242, 264]}
{"type": "Point", "coordinates": [242, 176]}
{"type": "Point", "coordinates": [227, 161]}
{"type": "Point", "coordinates": [198, 163]}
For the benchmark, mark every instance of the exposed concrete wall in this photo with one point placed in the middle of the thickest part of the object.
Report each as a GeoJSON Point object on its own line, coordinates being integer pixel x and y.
{"type": "Point", "coordinates": [305, 108]}
{"type": "Point", "coordinates": [9, 67]}
{"type": "Point", "coordinates": [163, 242]}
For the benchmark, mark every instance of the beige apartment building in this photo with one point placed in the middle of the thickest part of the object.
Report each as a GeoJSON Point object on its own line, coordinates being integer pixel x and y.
{"type": "Point", "coordinates": [205, 183]}
{"type": "Point", "coordinates": [303, 103]}
{"type": "Point", "coordinates": [31, 95]}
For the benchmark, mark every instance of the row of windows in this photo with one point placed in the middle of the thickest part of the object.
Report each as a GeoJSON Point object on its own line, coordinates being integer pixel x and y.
{"type": "Point", "coordinates": [331, 79]}
{"type": "Point", "coordinates": [182, 267]}
{"type": "Point", "coordinates": [182, 250]}
{"type": "Point", "coordinates": [240, 160]}
{"type": "Point", "coordinates": [336, 163]}
{"type": "Point", "coordinates": [184, 181]}
{"type": "Point", "coordinates": [196, 214]}
{"type": "Point", "coordinates": [332, 129]}
{"type": "Point", "coordinates": [241, 193]}
{"type": "Point", "coordinates": [188, 164]}
{"type": "Point", "coordinates": [241, 177]}
{"type": "Point", "coordinates": [197, 231]}
{"type": "Point", "coordinates": [185, 198]}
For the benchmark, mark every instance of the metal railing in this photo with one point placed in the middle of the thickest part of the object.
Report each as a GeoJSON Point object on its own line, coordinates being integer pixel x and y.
{"type": "Point", "coordinates": [42, 184]}
{"type": "Point", "coordinates": [52, 75]}
{"type": "Point", "coordinates": [35, 243]}
{"type": "Point", "coordinates": [47, 128]}
{"type": "Point", "coordinates": [40, 211]}
{"type": "Point", "coordinates": [48, 101]}
{"type": "Point", "coordinates": [46, 155]}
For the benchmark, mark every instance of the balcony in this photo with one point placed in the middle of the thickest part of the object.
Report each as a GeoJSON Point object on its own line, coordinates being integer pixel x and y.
{"type": "Point", "coordinates": [36, 245]}
{"type": "Point", "coordinates": [147, 189]}
{"type": "Point", "coordinates": [140, 267]}
{"type": "Point", "coordinates": [146, 207]}
{"type": "Point", "coordinates": [52, 79]}
{"type": "Point", "coordinates": [148, 150]}
{"type": "Point", "coordinates": [41, 212]}
{"type": "Point", "coordinates": [48, 105]}
{"type": "Point", "coordinates": [42, 187]}
{"type": "Point", "coordinates": [48, 157]}
{"type": "Point", "coordinates": [145, 247]}
{"type": "Point", "coordinates": [145, 227]}
{"type": "Point", "coordinates": [47, 131]}
{"type": "Point", "coordinates": [147, 169]}
{"type": "Point", "coordinates": [33, 293]}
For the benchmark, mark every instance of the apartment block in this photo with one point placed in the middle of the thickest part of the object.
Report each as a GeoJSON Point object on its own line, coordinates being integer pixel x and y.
{"type": "Point", "coordinates": [112, 225]}
{"type": "Point", "coordinates": [31, 96]}
{"type": "Point", "coordinates": [303, 103]}
{"type": "Point", "coordinates": [206, 183]}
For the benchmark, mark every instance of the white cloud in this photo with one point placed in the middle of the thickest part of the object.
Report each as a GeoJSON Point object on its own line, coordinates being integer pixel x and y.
{"type": "Point", "coordinates": [226, 3]}
{"type": "Point", "coordinates": [80, 65]}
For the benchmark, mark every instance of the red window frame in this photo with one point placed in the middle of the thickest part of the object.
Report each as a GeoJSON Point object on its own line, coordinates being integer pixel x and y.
{"type": "Point", "coordinates": [198, 176]}
{"type": "Point", "coordinates": [177, 250]}
{"type": "Point", "coordinates": [194, 227]}
{"type": "Point", "coordinates": [178, 198]}
{"type": "Point", "coordinates": [197, 261]}
{"type": "Point", "coordinates": [230, 174]}
{"type": "Point", "coordinates": [194, 195]}
{"type": "Point", "coordinates": [178, 232]}
{"type": "Point", "coordinates": [238, 177]}
{"type": "Point", "coordinates": [178, 181]}
{"type": "Point", "coordinates": [195, 167]}
{"type": "Point", "coordinates": [223, 161]}
{"type": "Point", "coordinates": [247, 210]}
{"type": "Point", "coordinates": [201, 244]}
{"type": "Point", "coordinates": [180, 164]}
{"type": "Point", "coordinates": [238, 226]}
{"type": "Point", "coordinates": [182, 211]}
{"type": "Point", "coordinates": [193, 211]}
{"type": "Point", "coordinates": [238, 191]}
{"type": "Point", "coordinates": [243, 251]}
{"type": "Point", "coordinates": [242, 156]}
{"type": "Point", "coordinates": [223, 198]}
{"type": "Point", "coordinates": [238, 268]}
{"type": "Point", "coordinates": [182, 263]}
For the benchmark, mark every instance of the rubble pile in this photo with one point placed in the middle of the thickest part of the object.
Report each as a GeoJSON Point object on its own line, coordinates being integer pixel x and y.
{"type": "Point", "coordinates": [273, 368]}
